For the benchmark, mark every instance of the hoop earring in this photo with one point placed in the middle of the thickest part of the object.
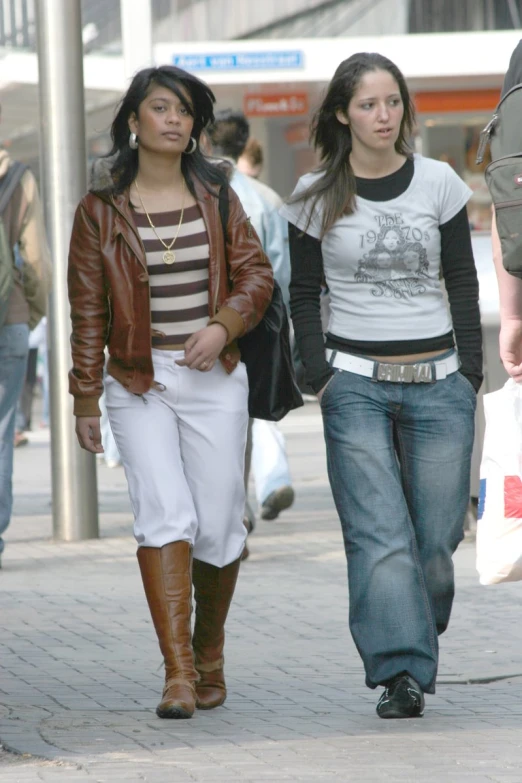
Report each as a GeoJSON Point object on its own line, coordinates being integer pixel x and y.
{"type": "Point", "coordinates": [193, 147]}
{"type": "Point", "coordinates": [133, 141]}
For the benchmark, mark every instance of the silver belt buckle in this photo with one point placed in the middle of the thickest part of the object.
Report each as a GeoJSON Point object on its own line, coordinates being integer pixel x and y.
{"type": "Point", "coordinates": [405, 373]}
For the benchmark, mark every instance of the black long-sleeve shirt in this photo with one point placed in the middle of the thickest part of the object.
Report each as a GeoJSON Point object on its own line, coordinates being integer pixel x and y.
{"type": "Point", "coordinates": [460, 277]}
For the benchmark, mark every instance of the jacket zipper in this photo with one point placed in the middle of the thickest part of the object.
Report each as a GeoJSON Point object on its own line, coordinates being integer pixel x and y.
{"type": "Point", "coordinates": [214, 308]}
{"type": "Point", "coordinates": [136, 234]}
{"type": "Point", "coordinates": [141, 396]}
{"type": "Point", "coordinates": [250, 234]}
{"type": "Point", "coordinates": [144, 265]}
{"type": "Point", "coordinates": [110, 316]}
{"type": "Point", "coordinates": [216, 293]}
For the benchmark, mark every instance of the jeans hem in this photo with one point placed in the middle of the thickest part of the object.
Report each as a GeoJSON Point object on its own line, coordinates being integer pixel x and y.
{"type": "Point", "coordinates": [430, 688]}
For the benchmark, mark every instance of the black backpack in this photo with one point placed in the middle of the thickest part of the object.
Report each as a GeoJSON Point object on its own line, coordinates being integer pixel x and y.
{"type": "Point", "coordinates": [504, 175]}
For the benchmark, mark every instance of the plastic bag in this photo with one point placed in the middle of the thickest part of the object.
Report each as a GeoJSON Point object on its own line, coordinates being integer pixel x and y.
{"type": "Point", "coordinates": [499, 528]}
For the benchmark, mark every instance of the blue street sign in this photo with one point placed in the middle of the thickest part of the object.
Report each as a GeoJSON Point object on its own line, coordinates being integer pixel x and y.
{"type": "Point", "coordinates": [235, 61]}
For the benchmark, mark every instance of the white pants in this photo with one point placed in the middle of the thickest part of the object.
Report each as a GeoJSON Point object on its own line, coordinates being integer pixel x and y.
{"type": "Point", "coordinates": [183, 451]}
{"type": "Point", "coordinates": [269, 461]}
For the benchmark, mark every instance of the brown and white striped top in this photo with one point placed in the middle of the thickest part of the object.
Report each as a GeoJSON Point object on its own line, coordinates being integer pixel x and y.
{"type": "Point", "coordinates": [179, 292]}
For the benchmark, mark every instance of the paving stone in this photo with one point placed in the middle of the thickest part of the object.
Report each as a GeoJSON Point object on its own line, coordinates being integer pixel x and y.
{"type": "Point", "coordinates": [80, 671]}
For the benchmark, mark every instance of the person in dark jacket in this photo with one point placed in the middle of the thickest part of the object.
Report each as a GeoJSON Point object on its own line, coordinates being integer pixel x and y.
{"type": "Point", "coordinates": [22, 310]}
{"type": "Point", "coordinates": [510, 287]}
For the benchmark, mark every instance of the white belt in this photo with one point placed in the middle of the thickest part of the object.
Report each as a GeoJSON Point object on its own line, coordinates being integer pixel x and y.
{"type": "Point", "coordinates": [419, 372]}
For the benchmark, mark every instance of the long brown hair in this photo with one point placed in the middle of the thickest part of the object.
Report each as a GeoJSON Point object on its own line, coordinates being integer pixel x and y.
{"type": "Point", "coordinates": [336, 188]}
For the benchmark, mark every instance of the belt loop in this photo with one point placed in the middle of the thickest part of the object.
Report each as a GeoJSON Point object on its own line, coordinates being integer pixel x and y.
{"type": "Point", "coordinates": [433, 368]}
{"type": "Point", "coordinates": [332, 358]}
{"type": "Point", "coordinates": [375, 376]}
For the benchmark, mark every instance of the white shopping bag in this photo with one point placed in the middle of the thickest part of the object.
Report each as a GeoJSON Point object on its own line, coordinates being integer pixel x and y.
{"type": "Point", "coordinates": [499, 528]}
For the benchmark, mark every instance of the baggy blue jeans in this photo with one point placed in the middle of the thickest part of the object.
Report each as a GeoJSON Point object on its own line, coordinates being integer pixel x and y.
{"type": "Point", "coordinates": [14, 347]}
{"type": "Point", "coordinates": [399, 457]}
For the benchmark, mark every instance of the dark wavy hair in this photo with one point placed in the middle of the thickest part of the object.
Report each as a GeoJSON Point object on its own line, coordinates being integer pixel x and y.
{"type": "Point", "coordinates": [336, 188]}
{"type": "Point", "coordinates": [124, 160]}
{"type": "Point", "coordinates": [229, 133]}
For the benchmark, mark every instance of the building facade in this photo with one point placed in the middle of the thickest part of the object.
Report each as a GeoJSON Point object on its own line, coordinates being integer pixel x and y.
{"type": "Point", "coordinates": [274, 58]}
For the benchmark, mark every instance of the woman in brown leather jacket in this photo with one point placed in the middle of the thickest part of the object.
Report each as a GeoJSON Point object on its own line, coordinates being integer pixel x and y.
{"type": "Point", "coordinates": [149, 278]}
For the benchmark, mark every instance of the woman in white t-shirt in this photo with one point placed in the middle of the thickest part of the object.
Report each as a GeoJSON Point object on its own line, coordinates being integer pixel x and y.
{"type": "Point", "coordinates": [397, 372]}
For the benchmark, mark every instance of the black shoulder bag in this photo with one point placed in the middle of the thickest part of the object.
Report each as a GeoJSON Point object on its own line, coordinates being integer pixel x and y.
{"type": "Point", "coordinates": [265, 350]}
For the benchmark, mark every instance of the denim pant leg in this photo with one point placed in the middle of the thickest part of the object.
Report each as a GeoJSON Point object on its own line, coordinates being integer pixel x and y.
{"type": "Point", "coordinates": [435, 432]}
{"type": "Point", "coordinates": [14, 347]}
{"type": "Point", "coordinates": [391, 620]}
{"type": "Point", "coordinates": [24, 408]}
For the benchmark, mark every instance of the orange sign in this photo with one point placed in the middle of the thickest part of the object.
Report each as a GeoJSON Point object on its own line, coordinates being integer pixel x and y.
{"type": "Point", "coordinates": [456, 100]}
{"type": "Point", "coordinates": [280, 105]}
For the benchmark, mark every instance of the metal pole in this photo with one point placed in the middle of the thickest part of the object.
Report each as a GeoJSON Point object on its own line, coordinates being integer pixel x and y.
{"type": "Point", "coordinates": [136, 33]}
{"type": "Point", "coordinates": [25, 25]}
{"type": "Point", "coordinates": [64, 170]}
{"type": "Point", "coordinates": [12, 17]}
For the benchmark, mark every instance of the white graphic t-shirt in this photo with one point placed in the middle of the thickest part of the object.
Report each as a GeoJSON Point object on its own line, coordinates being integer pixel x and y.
{"type": "Point", "coordinates": [382, 264]}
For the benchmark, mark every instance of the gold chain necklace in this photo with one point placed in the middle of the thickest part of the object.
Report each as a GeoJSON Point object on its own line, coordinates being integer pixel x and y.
{"type": "Point", "coordinates": [169, 255]}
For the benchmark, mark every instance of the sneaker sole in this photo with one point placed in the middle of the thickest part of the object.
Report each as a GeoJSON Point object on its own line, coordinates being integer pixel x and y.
{"type": "Point", "coordinates": [281, 500]}
{"type": "Point", "coordinates": [395, 714]}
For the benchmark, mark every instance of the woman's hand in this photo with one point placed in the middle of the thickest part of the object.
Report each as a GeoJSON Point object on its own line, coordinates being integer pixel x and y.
{"type": "Point", "coordinates": [322, 391]}
{"type": "Point", "coordinates": [510, 343]}
{"type": "Point", "coordinates": [89, 434]}
{"type": "Point", "coordinates": [203, 348]}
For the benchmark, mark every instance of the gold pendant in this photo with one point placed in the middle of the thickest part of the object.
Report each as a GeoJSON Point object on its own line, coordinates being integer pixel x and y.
{"type": "Point", "coordinates": [169, 257]}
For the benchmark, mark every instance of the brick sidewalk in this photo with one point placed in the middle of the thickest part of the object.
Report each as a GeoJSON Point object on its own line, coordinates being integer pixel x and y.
{"type": "Point", "coordinates": [80, 671]}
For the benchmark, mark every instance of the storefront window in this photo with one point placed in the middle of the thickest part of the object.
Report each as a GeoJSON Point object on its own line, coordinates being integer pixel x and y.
{"type": "Point", "coordinates": [479, 205]}
{"type": "Point", "coordinates": [455, 140]}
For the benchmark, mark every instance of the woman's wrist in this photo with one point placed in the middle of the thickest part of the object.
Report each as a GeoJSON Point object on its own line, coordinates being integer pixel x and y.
{"type": "Point", "coordinates": [221, 335]}
{"type": "Point", "coordinates": [319, 382]}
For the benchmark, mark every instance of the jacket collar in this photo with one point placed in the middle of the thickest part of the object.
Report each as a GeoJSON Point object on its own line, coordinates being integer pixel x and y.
{"type": "Point", "coordinates": [125, 225]}
{"type": "Point", "coordinates": [122, 201]}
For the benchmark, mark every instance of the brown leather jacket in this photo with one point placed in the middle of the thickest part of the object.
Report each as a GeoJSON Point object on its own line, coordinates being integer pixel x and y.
{"type": "Point", "coordinates": [110, 298]}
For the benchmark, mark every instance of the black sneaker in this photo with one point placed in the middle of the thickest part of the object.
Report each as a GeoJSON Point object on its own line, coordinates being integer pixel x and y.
{"type": "Point", "coordinates": [276, 502]}
{"type": "Point", "coordinates": [402, 698]}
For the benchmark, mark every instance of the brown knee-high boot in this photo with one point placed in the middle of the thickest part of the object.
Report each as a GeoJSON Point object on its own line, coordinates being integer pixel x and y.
{"type": "Point", "coordinates": [213, 591]}
{"type": "Point", "coordinates": [167, 579]}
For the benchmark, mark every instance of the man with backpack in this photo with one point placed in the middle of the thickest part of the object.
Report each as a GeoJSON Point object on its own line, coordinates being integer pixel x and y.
{"type": "Point", "coordinates": [24, 288]}
{"type": "Point", "coordinates": [510, 283]}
